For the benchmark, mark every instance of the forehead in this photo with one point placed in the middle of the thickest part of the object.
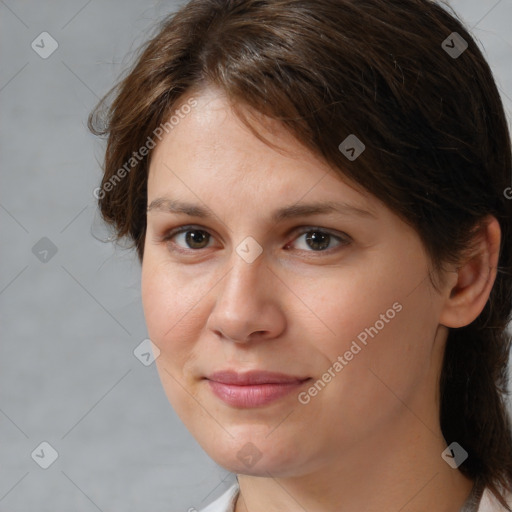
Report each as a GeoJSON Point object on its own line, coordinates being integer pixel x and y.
{"type": "Point", "coordinates": [211, 127]}
{"type": "Point", "coordinates": [211, 152]}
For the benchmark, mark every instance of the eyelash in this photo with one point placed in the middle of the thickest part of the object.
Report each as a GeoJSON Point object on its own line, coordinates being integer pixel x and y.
{"type": "Point", "coordinates": [342, 238]}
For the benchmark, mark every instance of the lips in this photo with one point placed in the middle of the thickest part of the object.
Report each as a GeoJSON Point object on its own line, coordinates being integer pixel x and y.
{"type": "Point", "coordinates": [253, 377]}
{"type": "Point", "coordinates": [254, 388]}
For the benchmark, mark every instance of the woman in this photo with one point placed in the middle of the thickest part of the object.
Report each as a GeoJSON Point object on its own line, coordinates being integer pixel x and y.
{"type": "Point", "coordinates": [316, 190]}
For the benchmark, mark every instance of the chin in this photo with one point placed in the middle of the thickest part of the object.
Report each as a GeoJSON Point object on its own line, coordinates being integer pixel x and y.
{"type": "Point", "coordinates": [255, 455]}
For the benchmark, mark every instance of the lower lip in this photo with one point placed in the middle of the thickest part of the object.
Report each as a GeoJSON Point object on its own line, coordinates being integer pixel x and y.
{"type": "Point", "coordinates": [253, 395]}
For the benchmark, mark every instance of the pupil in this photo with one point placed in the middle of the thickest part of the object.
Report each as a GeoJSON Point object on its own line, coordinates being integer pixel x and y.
{"type": "Point", "coordinates": [318, 240]}
{"type": "Point", "coordinates": [195, 238]}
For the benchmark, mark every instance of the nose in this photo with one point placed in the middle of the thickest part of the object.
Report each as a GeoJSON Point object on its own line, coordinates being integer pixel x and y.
{"type": "Point", "coordinates": [247, 306]}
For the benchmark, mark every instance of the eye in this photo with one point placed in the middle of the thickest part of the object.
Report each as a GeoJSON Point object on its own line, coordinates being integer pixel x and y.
{"type": "Point", "coordinates": [315, 239]}
{"type": "Point", "coordinates": [188, 237]}
{"type": "Point", "coordinates": [320, 240]}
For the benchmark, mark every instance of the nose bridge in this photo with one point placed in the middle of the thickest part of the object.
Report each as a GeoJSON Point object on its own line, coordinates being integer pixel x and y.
{"type": "Point", "coordinates": [243, 282]}
{"type": "Point", "coordinates": [248, 267]}
{"type": "Point", "coordinates": [243, 304]}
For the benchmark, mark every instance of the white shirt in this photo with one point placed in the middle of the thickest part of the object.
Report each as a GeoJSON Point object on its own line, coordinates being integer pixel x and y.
{"type": "Point", "coordinates": [226, 502]}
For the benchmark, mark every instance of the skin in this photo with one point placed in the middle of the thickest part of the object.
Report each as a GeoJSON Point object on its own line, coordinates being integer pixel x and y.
{"type": "Point", "coordinates": [370, 439]}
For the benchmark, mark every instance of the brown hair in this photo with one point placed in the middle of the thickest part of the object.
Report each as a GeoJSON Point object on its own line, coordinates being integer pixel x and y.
{"type": "Point", "coordinates": [438, 149]}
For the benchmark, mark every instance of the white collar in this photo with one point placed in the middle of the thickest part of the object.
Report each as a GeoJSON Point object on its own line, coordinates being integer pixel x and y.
{"type": "Point", "coordinates": [226, 502]}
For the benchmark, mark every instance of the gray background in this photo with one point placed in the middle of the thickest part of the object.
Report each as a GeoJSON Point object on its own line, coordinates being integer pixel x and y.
{"type": "Point", "coordinates": [69, 325]}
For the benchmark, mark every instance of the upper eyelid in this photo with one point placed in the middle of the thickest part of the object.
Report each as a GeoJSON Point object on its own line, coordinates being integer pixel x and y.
{"type": "Point", "coordinates": [302, 229]}
{"type": "Point", "coordinates": [341, 236]}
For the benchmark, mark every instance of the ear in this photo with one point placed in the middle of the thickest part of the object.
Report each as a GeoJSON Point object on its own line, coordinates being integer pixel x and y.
{"type": "Point", "coordinates": [469, 290]}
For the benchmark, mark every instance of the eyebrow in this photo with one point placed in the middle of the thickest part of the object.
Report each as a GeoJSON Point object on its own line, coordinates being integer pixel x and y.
{"type": "Point", "coordinates": [167, 205]}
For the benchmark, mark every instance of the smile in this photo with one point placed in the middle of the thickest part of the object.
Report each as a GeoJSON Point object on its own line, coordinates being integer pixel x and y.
{"type": "Point", "coordinates": [253, 389]}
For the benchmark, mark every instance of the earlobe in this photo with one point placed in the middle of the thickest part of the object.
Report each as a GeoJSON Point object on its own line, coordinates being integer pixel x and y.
{"type": "Point", "coordinates": [475, 278]}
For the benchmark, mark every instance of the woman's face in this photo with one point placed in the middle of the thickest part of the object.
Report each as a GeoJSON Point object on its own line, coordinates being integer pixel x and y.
{"type": "Point", "coordinates": [283, 267]}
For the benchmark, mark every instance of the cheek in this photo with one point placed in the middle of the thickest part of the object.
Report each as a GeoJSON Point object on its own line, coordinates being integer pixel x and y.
{"type": "Point", "coordinates": [158, 302]}
{"type": "Point", "coordinates": [169, 301]}
{"type": "Point", "coordinates": [385, 340]}
{"type": "Point", "coordinates": [383, 321]}
{"type": "Point", "coordinates": [355, 308]}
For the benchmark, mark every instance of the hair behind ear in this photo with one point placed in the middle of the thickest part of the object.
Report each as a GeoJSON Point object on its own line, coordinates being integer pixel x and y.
{"type": "Point", "coordinates": [474, 378]}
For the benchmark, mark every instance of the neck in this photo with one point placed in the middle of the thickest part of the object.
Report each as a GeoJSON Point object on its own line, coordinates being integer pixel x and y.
{"type": "Point", "coordinates": [401, 469]}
